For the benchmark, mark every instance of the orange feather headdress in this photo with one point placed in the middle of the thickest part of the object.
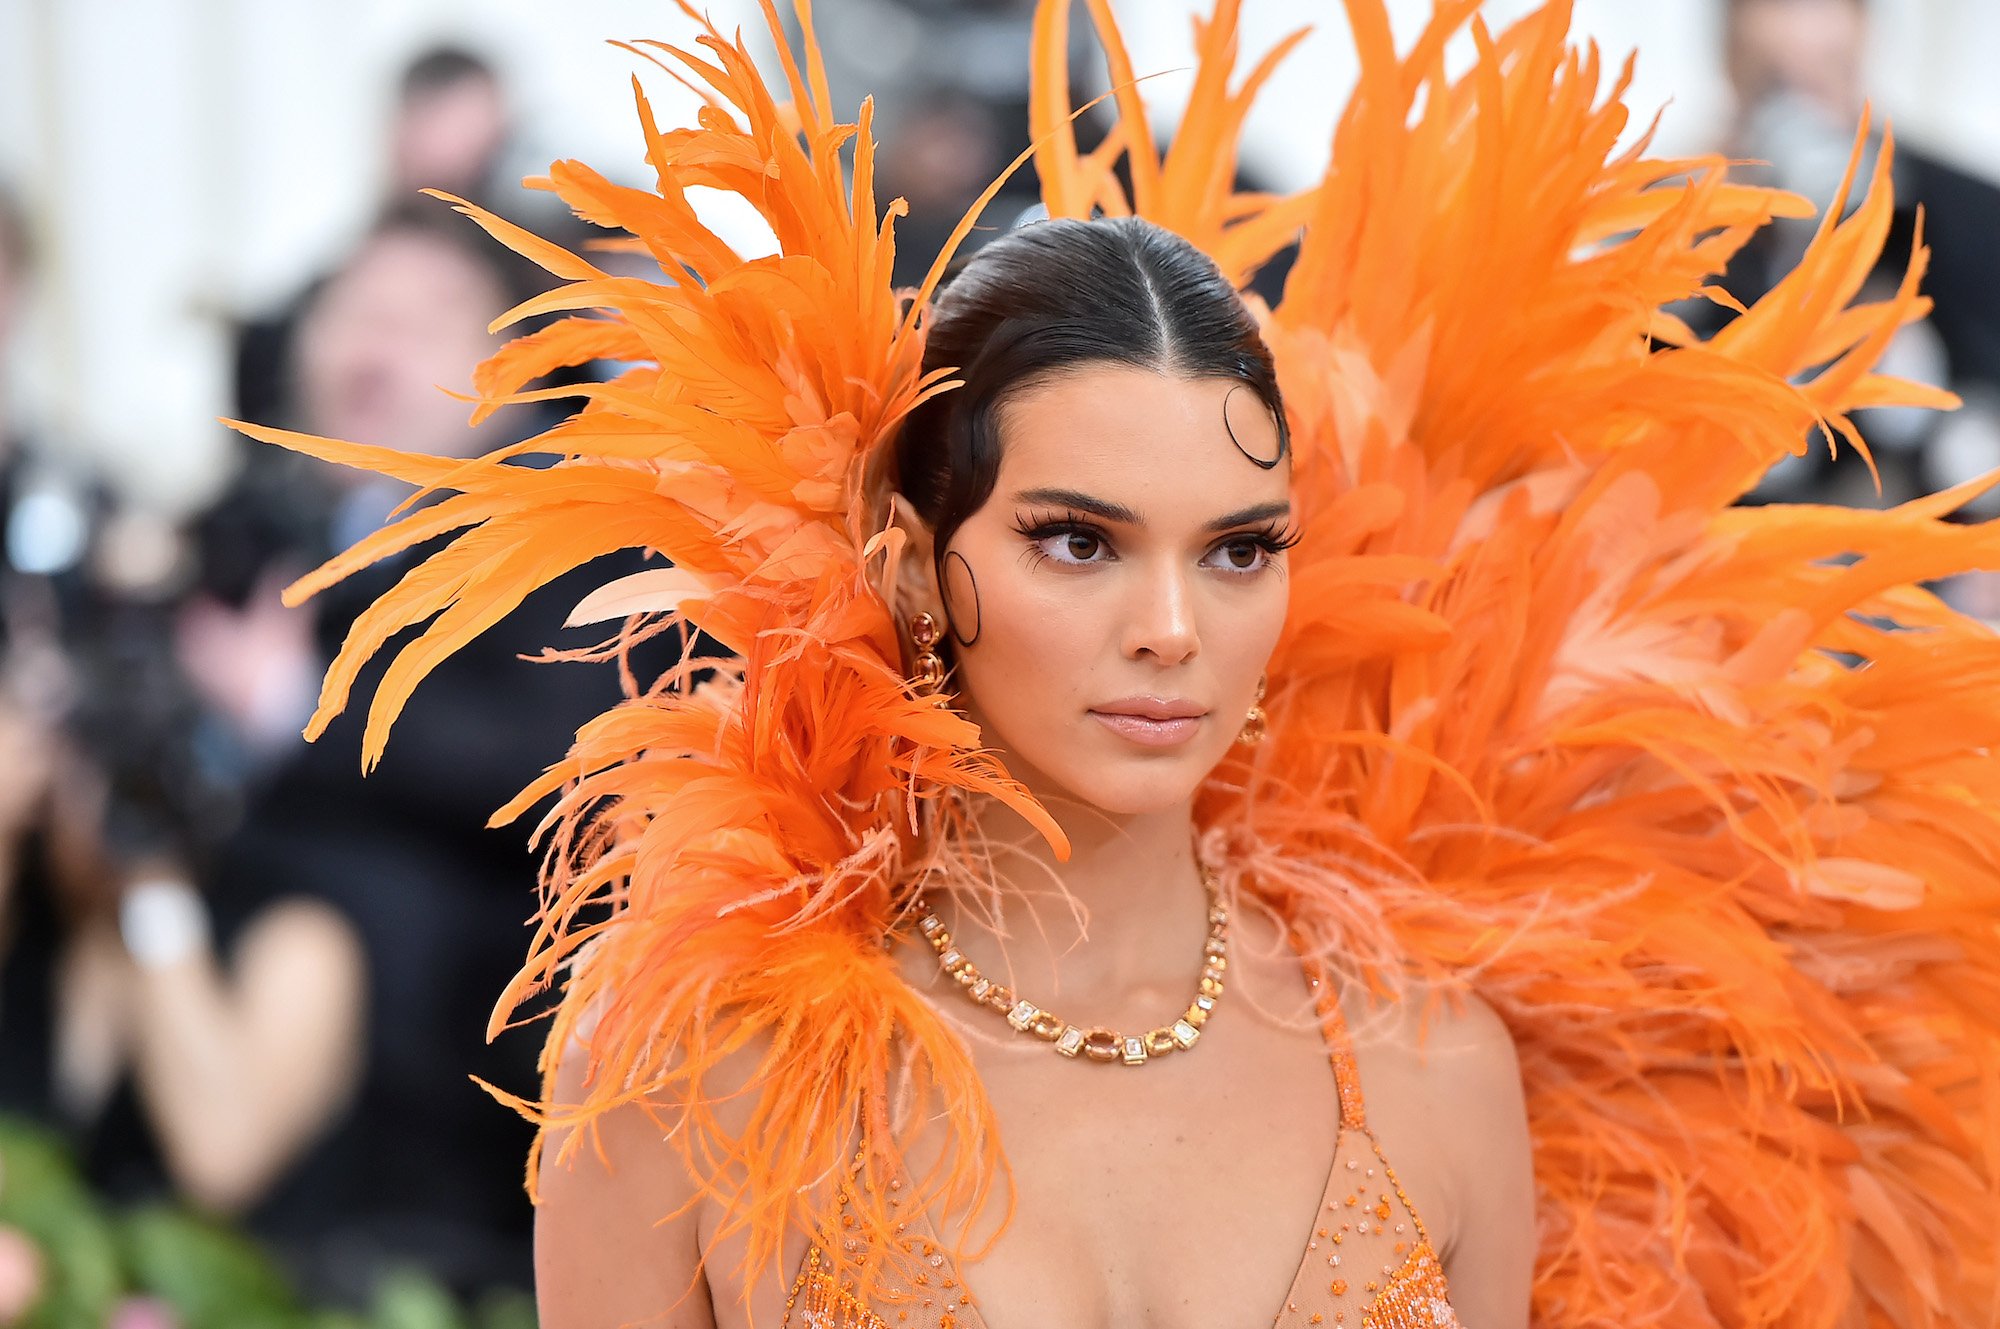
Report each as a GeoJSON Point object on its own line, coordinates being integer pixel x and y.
{"type": "Point", "coordinates": [1701, 798]}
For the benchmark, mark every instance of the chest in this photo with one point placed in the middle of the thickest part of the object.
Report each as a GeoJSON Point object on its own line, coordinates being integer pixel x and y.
{"type": "Point", "coordinates": [1198, 1190]}
{"type": "Point", "coordinates": [1181, 1193]}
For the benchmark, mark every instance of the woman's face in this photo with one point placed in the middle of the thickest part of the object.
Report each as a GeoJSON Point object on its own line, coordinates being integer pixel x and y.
{"type": "Point", "coordinates": [1124, 585]}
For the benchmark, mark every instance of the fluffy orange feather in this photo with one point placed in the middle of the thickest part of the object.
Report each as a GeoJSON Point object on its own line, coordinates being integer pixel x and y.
{"type": "Point", "coordinates": [1700, 797]}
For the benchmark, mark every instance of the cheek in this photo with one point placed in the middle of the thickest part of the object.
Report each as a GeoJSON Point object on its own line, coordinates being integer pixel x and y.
{"type": "Point", "coordinates": [1241, 631]}
{"type": "Point", "coordinates": [1037, 638]}
{"type": "Point", "coordinates": [1260, 623]}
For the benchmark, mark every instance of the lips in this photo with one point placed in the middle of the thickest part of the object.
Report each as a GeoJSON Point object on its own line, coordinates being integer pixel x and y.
{"type": "Point", "coordinates": [1154, 722]}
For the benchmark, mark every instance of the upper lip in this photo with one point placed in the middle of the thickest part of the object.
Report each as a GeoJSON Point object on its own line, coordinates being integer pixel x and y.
{"type": "Point", "coordinates": [1153, 708]}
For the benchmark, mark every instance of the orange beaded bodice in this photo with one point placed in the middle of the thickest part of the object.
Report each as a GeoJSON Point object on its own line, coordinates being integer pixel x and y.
{"type": "Point", "coordinates": [1368, 1262]}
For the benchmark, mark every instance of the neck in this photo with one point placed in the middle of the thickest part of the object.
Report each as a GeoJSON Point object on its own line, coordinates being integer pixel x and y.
{"type": "Point", "coordinates": [1113, 933]}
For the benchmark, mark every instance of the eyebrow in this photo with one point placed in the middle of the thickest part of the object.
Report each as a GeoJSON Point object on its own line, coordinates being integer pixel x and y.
{"type": "Point", "coordinates": [1118, 512]}
{"type": "Point", "coordinates": [1076, 498]}
{"type": "Point", "coordinates": [1246, 516]}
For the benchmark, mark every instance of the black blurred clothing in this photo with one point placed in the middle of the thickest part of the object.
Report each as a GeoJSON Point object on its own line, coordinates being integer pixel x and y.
{"type": "Point", "coordinates": [1962, 227]}
{"type": "Point", "coordinates": [1960, 221]}
{"type": "Point", "coordinates": [426, 1166]}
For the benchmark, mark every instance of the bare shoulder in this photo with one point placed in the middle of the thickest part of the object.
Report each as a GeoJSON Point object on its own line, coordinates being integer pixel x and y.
{"type": "Point", "coordinates": [625, 1234]}
{"type": "Point", "coordinates": [1442, 1087]}
{"type": "Point", "coordinates": [1445, 1098]}
{"type": "Point", "coordinates": [616, 1220]}
{"type": "Point", "coordinates": [1449, 1041]}
{"type": "Point", "coordinates": [1467, 1045]}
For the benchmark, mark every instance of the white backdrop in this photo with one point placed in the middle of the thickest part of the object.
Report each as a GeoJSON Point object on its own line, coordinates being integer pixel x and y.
{"type": "Point", "coordinates": [185, 159]}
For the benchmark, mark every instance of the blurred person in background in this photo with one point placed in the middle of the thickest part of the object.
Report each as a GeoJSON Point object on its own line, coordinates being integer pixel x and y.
{"type": "Point", "coordinates": [1797, 70]}
{"type": "Point", "coordinates": [108, 767]}
{"type": "Point", "coordinates": [951, 95]}
{"type": "Point", "coordinates": [950, 87]}
{"type": "Point", "coordinates": [380, 1004]}
{"type": "Point", "coordinates": [282, 1026]}
{"type": "Point", "coordinates": [942, 150]}
{"type": "Point", "coordinates": [449, 130]}
{"type": "Point", "coordinates": [26, 752]}
{"type": "Point", "coordinates": [375, 342]}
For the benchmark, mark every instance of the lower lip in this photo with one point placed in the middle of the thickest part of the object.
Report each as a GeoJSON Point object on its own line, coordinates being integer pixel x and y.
{"type": "Point", "coordinates": [1148, 732]}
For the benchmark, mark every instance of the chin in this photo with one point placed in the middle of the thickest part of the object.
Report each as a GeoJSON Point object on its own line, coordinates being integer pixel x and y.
{"type": "Point", "coordinates": [1125, 787]}
{"type": "Point", "coordinates": [1139, 802]}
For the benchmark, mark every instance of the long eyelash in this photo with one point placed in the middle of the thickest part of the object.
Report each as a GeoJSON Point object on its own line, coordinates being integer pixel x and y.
{"type": "Point", "coordinates": [1042, 526]}
{"type": "Point", "coordinates": [1039, 527]}
{"type": "Point", "coordinates": [1273, 539]}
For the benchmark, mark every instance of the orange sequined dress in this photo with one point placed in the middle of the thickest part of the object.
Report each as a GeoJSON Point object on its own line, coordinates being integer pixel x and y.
{"type": "Point", "coordinates": [1368, 1261]}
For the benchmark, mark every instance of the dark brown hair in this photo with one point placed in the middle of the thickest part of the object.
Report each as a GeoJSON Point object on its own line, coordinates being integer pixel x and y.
{"type": "Point", "coordinates": [1057, 296]}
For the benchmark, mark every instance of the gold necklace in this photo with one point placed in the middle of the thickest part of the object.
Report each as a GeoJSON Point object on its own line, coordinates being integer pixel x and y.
{"type": "Point", "coordinates": [1098, 1043]}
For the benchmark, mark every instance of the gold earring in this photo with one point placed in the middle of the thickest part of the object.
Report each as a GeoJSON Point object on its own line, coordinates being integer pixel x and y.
{"type": "Point", "coordinates": [1255, 723]}
{"type": "Point", "coordinates": [930, 669]}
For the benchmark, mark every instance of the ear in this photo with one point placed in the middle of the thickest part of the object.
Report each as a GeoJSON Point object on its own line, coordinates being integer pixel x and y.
{"type": "Point", "coordinates": [911, 587]}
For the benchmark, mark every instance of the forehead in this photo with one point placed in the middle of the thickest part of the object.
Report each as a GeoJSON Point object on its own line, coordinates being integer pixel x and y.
{"type": "Point", "coordinates": [408, 267]}
{"type": "Point", "coordinates": [1152, 441]}
{"type": "Point", "coordinates": [1763, 22]}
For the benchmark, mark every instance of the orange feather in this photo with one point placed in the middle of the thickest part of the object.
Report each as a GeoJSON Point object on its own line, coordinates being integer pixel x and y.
{"type": "Point", "coordinates": [1699, 797]}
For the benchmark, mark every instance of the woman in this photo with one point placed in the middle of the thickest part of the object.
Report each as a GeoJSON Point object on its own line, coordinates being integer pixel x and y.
{"type": "Point", "coordinates": [1098, 518]}
{"type": "Point", "coordinates": [1546, 721]}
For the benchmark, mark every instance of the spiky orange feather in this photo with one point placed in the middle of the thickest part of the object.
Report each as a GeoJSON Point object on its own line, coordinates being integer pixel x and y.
{"type": "Point", "coordinates": [1701, 798]}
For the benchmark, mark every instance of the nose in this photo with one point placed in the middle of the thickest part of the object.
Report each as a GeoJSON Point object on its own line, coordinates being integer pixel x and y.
{"type": "Point", "coordinates": [1161, 623]}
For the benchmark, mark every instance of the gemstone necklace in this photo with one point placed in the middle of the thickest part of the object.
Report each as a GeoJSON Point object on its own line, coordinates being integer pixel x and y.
{"type": "Point", "coordinates": [1097, 1043]}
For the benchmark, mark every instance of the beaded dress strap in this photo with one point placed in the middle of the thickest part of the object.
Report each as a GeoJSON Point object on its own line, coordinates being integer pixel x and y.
{"type": "Point", "coordinates": [1347, 1079]}
{"type": "Point", "coordinates": [1339, 1046]}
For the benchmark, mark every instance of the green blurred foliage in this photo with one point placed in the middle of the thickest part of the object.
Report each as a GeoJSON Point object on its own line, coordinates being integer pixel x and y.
{"type": "Point", "coordinates": [97, 1259]}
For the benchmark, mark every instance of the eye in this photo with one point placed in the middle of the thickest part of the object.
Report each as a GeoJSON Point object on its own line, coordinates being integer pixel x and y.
{"type": "Point", "coordinates": [1248, 552]}
{"type": "Point", "coordinates": [1243, 554]}
{"type": "Point", "coordinates": [1074, 546]}
{"type": "Point", "coordinates": [1066, 539]}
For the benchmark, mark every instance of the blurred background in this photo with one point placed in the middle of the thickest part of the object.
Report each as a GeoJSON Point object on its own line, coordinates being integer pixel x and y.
{"type": "Point", "coordinates": [243, 991]}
